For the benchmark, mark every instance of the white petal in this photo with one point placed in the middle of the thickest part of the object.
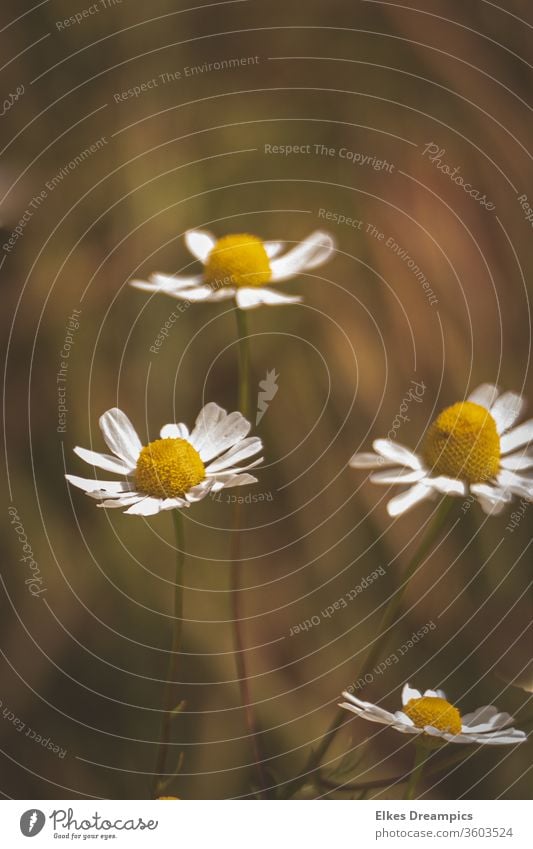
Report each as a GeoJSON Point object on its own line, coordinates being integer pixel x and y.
{"type": "Point", "coordinates": [230, 481]}
{"type": "Point", "coordinates": [230, 430]}
{"type": "Point", "coordinates": [447, 486]}
{"type": "Point", "coordinates": [435, 694]}
{"type": "Point", "coordinates": [403, 719]}
{"type": "Point", "coordinates": [174, 431]}
{"type": "Point", "coordinates": [121, 501]}
{"type": "Point", "coordinates": [484, 395]}
{"type": "Point", "coordinates": [496, 738]}
{"type": "Point", "coordinates": [518, 436]}
{"type": "Point", "coordinates": [367, 460]}
{"type": "Point", "coordinates": [492, 499]}
{"type": "Point", "coordinates": [200, 243]}
{"type": "Point", "coordinates": [516, 483]}
{"type": "Point", "coordinates": [241, 451]}
{"type": "Point", "coordinates": [172, 503]}
{"type": "Point", "coordinates": [409, 693]}
{"type": "Point", "coordinates": [310, 253]}
{"type": "Point", "coordinates": [196, 295]}
{"type": "Point", "coordinates": [199, 492]}
{"type": "Point", "coordinates": [120, 435]}
{"type": "Point", "coordinates": [166, 283]}
{"type": "Point", "coordinates": [207, 420]}
{"type": "Point", "coordinates": [101, 489]}
{"type": "Point", "coordinates": [397, 453]}
{"type": "Point", "coordinates": [406, 500]}
{"type": "Point", "coordinates": [147, 507]}
{"type": "Point", "coordinates": [481, 714]}
{"type": "Point", "coordinates": [517, 462]}
{"type": "Point", "coordinates": [506, 409]}
{"type": "Point", "coordinates": [272, 248]}
{"type": "Point", "coordinates": [104, 461]}
{"type": "Point", "coordinates": [390, 477]}
{"type": "Point", "coordinates": [488, 723]}
{"type": "Point", "coordinates": [250, 298]}
{"type": "Point", "coordinates": [373, 713]}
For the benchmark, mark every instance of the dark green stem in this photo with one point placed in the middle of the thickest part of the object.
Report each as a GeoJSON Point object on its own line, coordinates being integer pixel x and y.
{"type": "Point", "coordinates": [421, 754]}
{"type": "Point", "coordinates": [236, 566]}
{"type": "Point", "coordinates": [170, 699]}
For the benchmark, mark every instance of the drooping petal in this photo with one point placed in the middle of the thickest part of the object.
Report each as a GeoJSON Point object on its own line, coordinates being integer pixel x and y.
{"type": "Point", "coordinates": [249, 298]}
{"type": "Point", "coordinates": [104, 461]}
{"type": "Point", "coordinates": [392, 476]}
{"type": "Point", "coordinates": [447, 486]}
{"type": "Point", "coordinates": [121, 501]}
{"type": "Point", "coordinates": [484, 395]}
{"type": "Point", "coordinates": [174, 431]}
{"type": "Point", "coordinates": [406, 500]}
{"type": "Point", "coordinates": [368, 460]}
{"type": "Point", "coordinates": [492, 499]}
{"type": "Point", "coordinates": [120, 435]}
{"type": "Point", "coordinates": [397, 453]}
{"type": "Point", "coordinates": [312, 252]}
{"type": "Point", "coordinates": [506, 409]}
{"type": "Point", "coordinates": [200, 243]}
{"type": "Point", "coordinates": [518, 436]}
{"type": "Point", "coordinates": [148, 506]}
{"type": "Point", "coordinates": [101, 489]}
{"type": "Point", "coordinates": [167, 283]}
{"type": "Point", "coordinates": [199, 492]}
{"type": "Point", "coordinates": [229, 481]}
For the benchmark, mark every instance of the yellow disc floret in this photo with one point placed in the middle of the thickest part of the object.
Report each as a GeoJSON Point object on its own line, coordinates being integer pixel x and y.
{"type": "Point", "coordinates": [436, 712]}
{"type": "Point", "coordinates": [463, 443]}
{"type": "Point", "coordinates": [168, 468]}
{"type": "Point", "coordinates": [239, 260]}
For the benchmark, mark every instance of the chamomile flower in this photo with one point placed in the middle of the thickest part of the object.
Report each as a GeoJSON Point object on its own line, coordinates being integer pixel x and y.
{"type": "Point", "coordinates": [240, 267]}
{"type": "Point", "coordinates": [469, 449]}
{"type": "Point", "coordinates": [175, 470]}
{"type": "Point", "coordinates": [432, 715]}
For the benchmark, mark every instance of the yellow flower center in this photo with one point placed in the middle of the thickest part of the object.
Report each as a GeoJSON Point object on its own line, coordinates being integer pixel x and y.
{"type": "Point", "coordinates": [239, 260]}
{"type": "Point", "coordinates": [168, 468]}
{"type": "Point", "coordinates": [463, 443]}
{"type": "Point", "coordinates": [436, 712]}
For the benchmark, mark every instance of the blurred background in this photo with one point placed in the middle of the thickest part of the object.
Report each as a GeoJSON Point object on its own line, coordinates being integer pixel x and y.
{"type": "Point", "coordinates": [121, 129]}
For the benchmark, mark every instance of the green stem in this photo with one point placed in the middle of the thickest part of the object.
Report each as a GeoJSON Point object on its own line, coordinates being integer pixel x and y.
{"type": "Point", "coordinates": [236, 566]}
{"type": "Point", "coordinates": [421, 753]}
{"type": "Point", "coordinates": [383, 639]}
{"type": "Point", "coordinates": [244, 362]}
{"type": "Point", "coordinates": [170, 698]}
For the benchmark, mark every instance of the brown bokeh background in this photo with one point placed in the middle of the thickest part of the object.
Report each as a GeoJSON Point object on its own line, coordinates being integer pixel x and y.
{"type": "Point", "coordinates": [82, 665]}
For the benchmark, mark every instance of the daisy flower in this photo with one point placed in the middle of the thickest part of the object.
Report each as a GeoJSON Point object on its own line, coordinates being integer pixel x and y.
{"type": "Point", "coordinates": [433, 716]}
{"type": "Point", "coordinates": [175, 470]}
{"type": "Point", "coordinates": [240, 267]}
{"type": "Point", "coordinates": [469, 449]}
